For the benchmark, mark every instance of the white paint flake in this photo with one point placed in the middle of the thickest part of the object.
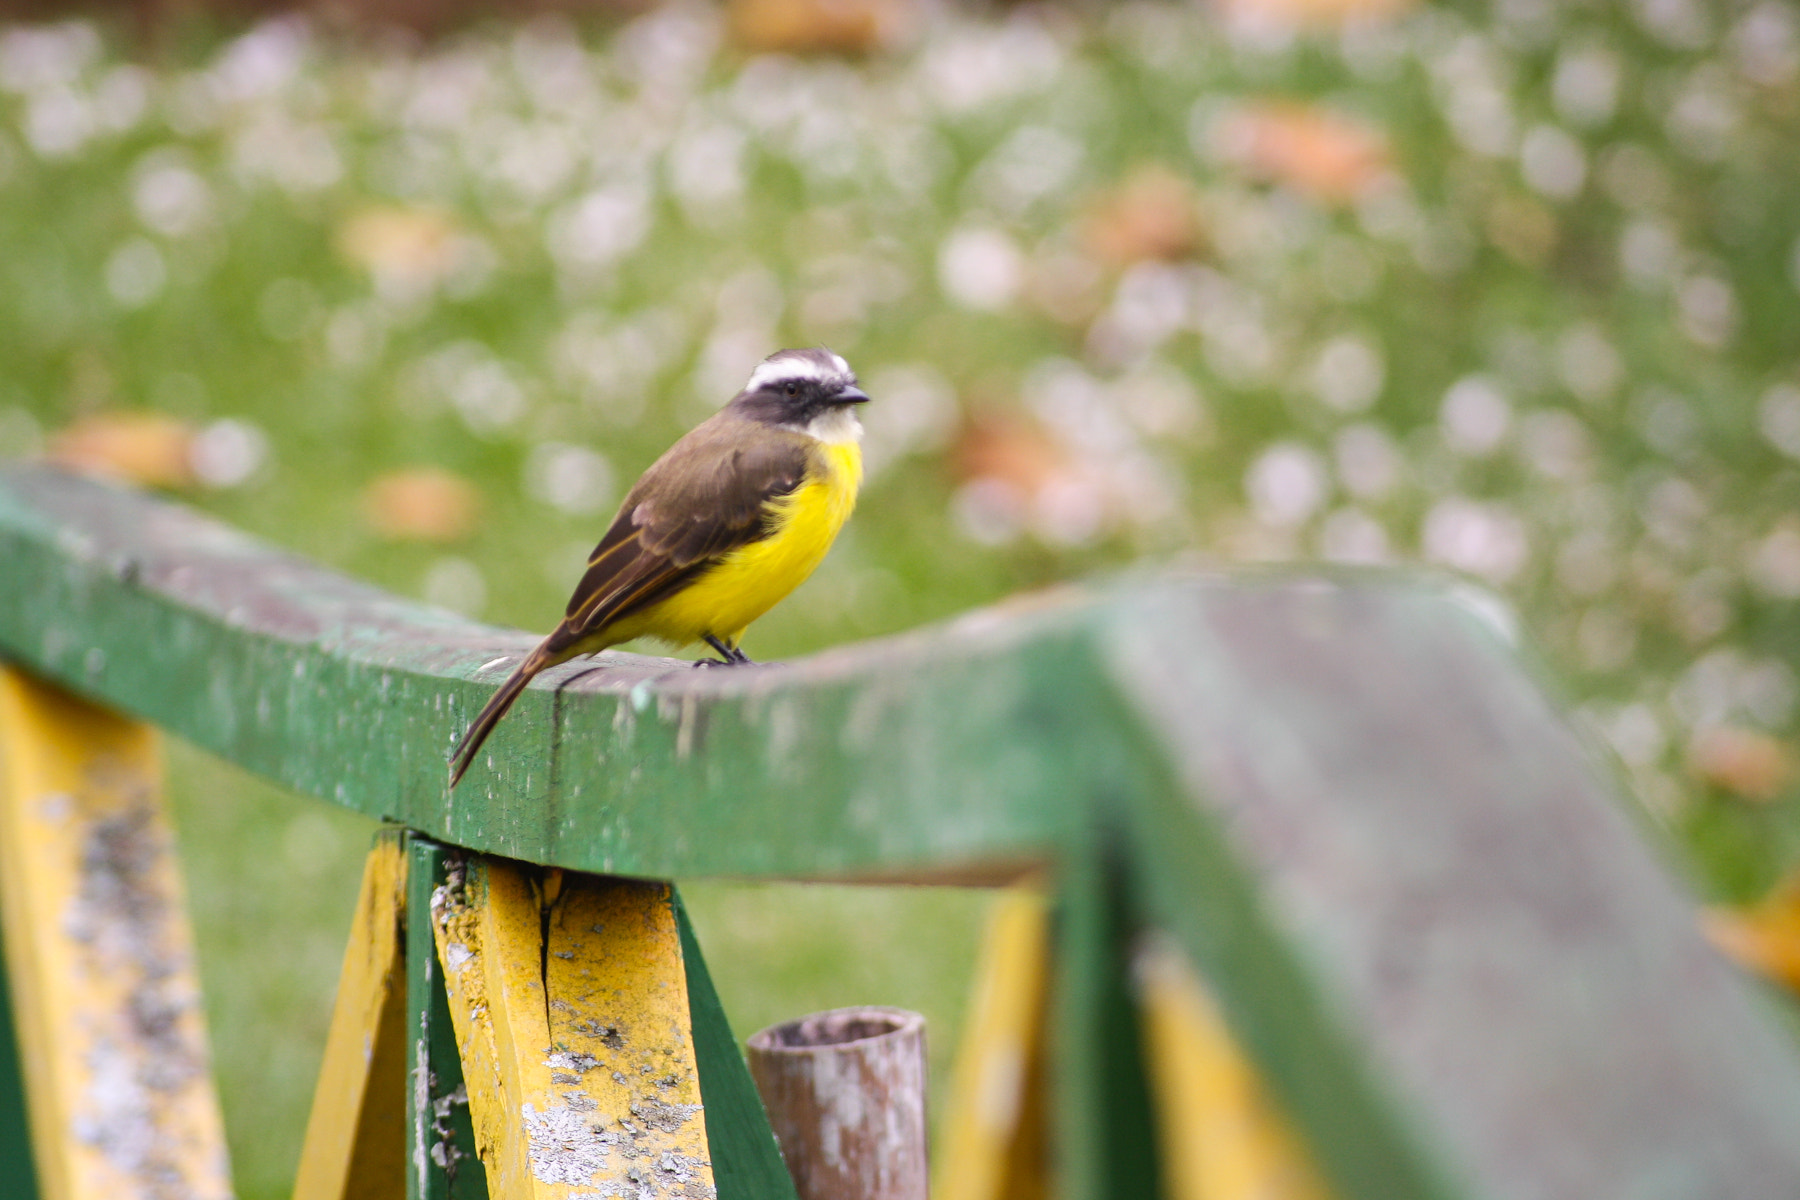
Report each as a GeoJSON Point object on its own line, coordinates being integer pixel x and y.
{"type": "Point", "coordinates": [567, 1146]}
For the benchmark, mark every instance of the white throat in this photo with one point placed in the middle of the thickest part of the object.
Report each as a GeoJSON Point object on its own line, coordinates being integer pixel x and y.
{"type": "Point", "coordinates": [834, 426]}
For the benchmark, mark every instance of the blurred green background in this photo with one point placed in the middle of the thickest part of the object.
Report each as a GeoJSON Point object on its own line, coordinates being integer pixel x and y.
{"type": "Point", "coordinates": [1508, 289]}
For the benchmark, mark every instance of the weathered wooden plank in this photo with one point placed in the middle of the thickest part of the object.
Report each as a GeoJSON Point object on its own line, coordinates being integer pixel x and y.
{"type": "Point", "coordinates": [746, 1159]}
{"type": "Point", "coordinates": [571, 1012]}
{"type": "Point", "coordinates": [1186, 881]}
{"type": "Point", "coordinates": [356, 1134]}
{"type": "Point", "coordinates": [1474, 934]}
{"type": "Point", "coordinates": [944, 755]}
{"type": "Point", "coordinates": [100, 956]}
{"type": "Point", "coordinates": [1220, 1136]}
{"type": "Point", "coordinates": [441, 1160]}
{"type": "Point", "coordinates": [994, 1137]}
{"type": "Point", "coordinates": [619, 1014]}
{"type": "Point", "coordinates": [489, 942]}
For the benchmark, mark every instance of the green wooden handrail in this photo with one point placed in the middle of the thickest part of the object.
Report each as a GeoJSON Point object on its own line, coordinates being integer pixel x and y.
{"type": "Point", "coordinates": [950, 753]}
{"type": "Point", "coordinates": [1423, 911]}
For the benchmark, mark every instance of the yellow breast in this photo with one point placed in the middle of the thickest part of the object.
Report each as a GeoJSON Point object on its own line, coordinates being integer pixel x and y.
{"type": "Point", "coordinates": [751, 580]}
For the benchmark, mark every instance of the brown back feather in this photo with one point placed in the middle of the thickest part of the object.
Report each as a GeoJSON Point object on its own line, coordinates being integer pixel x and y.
{"type": "Point", "coordinates": [701, 500]}
{"type": "Point", "coordinates": [705, 497]}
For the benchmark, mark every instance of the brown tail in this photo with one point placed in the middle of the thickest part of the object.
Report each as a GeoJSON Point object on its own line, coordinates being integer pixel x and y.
{"type": "Point", "coordinates": [496, 708]}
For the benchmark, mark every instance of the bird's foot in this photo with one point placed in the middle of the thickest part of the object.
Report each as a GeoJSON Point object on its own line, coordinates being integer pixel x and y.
{"type": "Point", "coordinates": [729, 656]}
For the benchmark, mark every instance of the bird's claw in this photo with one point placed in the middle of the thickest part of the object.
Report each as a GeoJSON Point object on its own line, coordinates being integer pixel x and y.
{"type": "Point", "coordinates": [729, 656]}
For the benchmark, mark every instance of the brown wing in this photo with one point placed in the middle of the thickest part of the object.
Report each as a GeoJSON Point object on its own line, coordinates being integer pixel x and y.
{"type": "Point", "coordinates": [702, 499]}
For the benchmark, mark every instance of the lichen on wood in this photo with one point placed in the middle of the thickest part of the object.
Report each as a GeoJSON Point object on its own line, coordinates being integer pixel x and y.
{"type": "Point", "coordinates": [570, 1004]}
{"type": "Point", "coordinates": [100, 956]}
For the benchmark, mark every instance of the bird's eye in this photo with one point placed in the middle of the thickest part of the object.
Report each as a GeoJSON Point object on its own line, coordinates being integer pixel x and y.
{"type": "Point", "coordinates": [793, 389]}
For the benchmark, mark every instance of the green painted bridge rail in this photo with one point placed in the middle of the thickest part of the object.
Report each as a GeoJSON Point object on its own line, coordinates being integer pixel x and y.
{"type": "Point", "coordinates": [1418, 900]}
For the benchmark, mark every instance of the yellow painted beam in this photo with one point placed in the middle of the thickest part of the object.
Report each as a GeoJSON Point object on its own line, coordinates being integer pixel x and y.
{"type": "Point", "coordinates": [1221, 1135]}
{"type": "Point", "coordinates": [995, 1129]}
{"type": "Point", "coordinates": [355, 1146]}
{"type": "Point", "coordinates": [100, 957]}
{"type": "Point", "coordinates": [571, 1012]}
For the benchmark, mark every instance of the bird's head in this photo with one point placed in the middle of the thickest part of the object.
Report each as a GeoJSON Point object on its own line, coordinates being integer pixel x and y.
{"type": "Point", "coordinates": [810, 390]}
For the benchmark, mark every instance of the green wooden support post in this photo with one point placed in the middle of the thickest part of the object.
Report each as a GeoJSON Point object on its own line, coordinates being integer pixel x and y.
{"type": "Point", "coordinates": [1104, 1132]}
{"type": "Point", "coordinates": [746, 1160]}
{"type": "Point", "coordinates": [1347, 1117]}
{"type": "Point", "coordinates": [441, 1163]}
{"type": "Point", "coordinates": [15, 1121]}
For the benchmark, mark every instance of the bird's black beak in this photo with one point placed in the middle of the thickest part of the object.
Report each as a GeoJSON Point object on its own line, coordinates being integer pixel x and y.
{"type": "Point", "coordinates": [850, 395]}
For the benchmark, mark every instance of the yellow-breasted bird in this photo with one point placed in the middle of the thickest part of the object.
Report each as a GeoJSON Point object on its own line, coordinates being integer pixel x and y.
{"type": "Point", "coordinates": [720, 528]}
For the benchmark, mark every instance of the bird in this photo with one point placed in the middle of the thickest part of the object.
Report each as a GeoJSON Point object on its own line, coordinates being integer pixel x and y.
{"type": "Point", "coordinates": [733, 517]}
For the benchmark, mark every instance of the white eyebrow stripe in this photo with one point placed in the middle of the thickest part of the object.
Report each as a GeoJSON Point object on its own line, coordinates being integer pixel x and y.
{"type": "Point", "coordinates": [793, 368]}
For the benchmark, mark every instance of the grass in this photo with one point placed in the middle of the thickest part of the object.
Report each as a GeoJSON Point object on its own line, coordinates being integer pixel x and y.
{"type": "Point", "coordinates": [1508, 293]}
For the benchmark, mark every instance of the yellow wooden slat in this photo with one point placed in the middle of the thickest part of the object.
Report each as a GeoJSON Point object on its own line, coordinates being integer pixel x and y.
{"type": "Point", "coordinates": [995, 1128]}
{"type": "Point", "coordinates": [571, 1012]}
{"type": "Point", "coordinates": [1220, 1134]}
{"type": "Point", "coordinates": [100, 957]}
{"type": "Point", "coordinates": [355, 1146]}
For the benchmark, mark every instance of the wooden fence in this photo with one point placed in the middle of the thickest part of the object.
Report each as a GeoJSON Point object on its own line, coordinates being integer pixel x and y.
{"type": "Point", "coordinates": [1440, 946]}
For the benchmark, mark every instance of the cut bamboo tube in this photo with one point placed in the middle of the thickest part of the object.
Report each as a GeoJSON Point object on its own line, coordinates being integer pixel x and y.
{"type": "Point", "coordinates": [845, 1091]}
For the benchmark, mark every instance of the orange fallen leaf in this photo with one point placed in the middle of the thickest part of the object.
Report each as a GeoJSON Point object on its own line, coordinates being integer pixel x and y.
{"type": "Point", "coordinates": [1742, 761]}
{"type": "Point", "coordinates": [1315, 13]}
{"type": "Point", "coordinates": [426, 504]}
{"type": "Point", "coordinates": [1153, 214]}
{"type": "Point", "coordinates": [814, 26]}
{"type": "Point", "coordinates": [1038, 479]}
{"type": "Point", "coordinates": [1330, 156]}
{"type": "Point", "coordinates": [1010, 447]}
{"type": "Point", "coordinates": [1765, 937]}
{"type": "Point", "coordinates": [146, 448]}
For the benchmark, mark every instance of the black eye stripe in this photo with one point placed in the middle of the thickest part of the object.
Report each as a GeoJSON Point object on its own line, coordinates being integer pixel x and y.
{"type": "Point", "coordinates": [804, 386]}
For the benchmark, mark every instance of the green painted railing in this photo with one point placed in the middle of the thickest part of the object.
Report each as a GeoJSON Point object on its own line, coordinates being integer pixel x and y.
{"type": "Point", "coordinates": [1415, 893]}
